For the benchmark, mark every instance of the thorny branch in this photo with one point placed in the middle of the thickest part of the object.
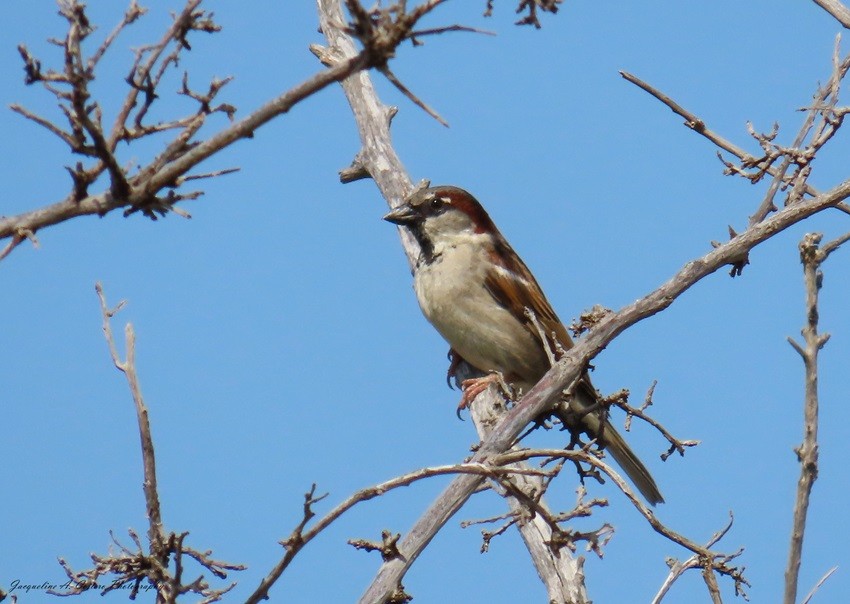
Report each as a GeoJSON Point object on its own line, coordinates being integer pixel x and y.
{"type": "Point", "coordinates": [621, 399]}
{"type": "Point", "coordinates": [85, 133]}
{"type": "Point", "coordinates": [380, 31]}
{"type": "Point", "coordinates": [500, 469]}
{"type": "Point", "coordinates": [532, 506]}
{"type": "Point", "coordinates": [707, 559]}
{"type": "Point", "coordinates": [812, 255]}
{"type": "Point", "coordinates": [754, 168]}
{"type": "Point", "coordinates": [560, 572]}
{"type": "Point", "coordinates": [677, 569]}
{"type": "Point", "coordinates": [301, 535]}
{"type": "Point", "coordinates": [135, 567]}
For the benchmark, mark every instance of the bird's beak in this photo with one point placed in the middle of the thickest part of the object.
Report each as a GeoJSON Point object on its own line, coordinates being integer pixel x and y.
{"type": "Point", "coordinates": [403, 215]}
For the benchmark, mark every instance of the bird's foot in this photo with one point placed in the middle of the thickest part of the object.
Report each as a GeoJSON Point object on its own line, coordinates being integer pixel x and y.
{"type": "Point", "coordinates": [475, 386]}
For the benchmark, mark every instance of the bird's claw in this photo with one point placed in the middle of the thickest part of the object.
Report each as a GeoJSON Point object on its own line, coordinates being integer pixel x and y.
{"type": "Point", "coordinates": [475, 386]}
{"type": "Point", "coordinates": [454, 362]}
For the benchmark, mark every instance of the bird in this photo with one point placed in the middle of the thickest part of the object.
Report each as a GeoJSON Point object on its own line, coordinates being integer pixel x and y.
{"type": "Point", "coordinates": [484, 301]}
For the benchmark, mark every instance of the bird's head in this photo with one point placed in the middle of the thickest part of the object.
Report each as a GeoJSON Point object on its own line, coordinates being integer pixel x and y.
{"type": "Point", "coordinates": [442, 216]}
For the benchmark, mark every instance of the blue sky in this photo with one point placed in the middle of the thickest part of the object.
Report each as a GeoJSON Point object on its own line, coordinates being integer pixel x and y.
{"type": "Point", "coordinates": [279, 342]}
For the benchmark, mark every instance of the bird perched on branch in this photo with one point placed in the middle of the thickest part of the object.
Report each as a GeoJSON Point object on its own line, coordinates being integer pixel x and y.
{"type": "Point", "coordinates": [478, 293]}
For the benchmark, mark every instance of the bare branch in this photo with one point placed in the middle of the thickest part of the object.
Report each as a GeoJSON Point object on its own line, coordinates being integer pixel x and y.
{"type": "Point", "coordinates": [549, 547]}
{"type": "Point", "coordinates": [699, 126]}
{"type": "Point", "coordinates": [764, 165]}
{"type": "Point", "coordinates": [620, 399]}
{"type": "Point", "coordinates": [132, 567]}
{"type": "Point", "coordinates": [142, 191]}
{"type": "Point", "coordinates": [823, 105]}
{"type": "Point", "coordinates": [141, 78]}
{"type": "Point", "coordinates": [812, 256]}
{"type": "Point", "coordinates": [133, 12]}
{"type": "Point", "coordinates": [45, 123]}
{"type": "Point", "coordinates": [19, 237]}
{"type": "Point", "coordinates": [301, 535]}
{"type": "Point", "coordinates": [705, 558]}
{"type": "Point", "coordinates": [837, 10]}
{"type": "Point", "coordinates": [388, 546]}
{"type": "Point", "coordinates": [449, 28]}
{"type": "Point", "coordinates": [817, 586]}
{"type": "Point", "coordinates": [406, 92]}
{"type": "Point", "coordinates": [677, 569]}
{"type": "Point", "coordinates": [532, 6]}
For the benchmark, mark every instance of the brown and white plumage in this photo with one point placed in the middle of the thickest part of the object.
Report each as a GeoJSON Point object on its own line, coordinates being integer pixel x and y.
{"type": "Point", "coordinates": [474, 289]}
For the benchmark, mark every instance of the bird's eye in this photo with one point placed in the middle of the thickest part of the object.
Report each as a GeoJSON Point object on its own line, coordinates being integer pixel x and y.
{"type": "Point", "coordinates": [437, 203]}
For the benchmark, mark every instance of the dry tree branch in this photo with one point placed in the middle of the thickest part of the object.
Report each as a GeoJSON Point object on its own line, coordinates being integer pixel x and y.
{"type": "Point", "coordinates": [366, 22]}
{"type": "Point", "coordinates": [530, 504]}
{"type": "Point", "coordinates": [301, 535]}
{"type": "Point", "coordinates": [17, 239]}
{"type": "Point", "coordinates": [142, 191]}
{"type": "Point", "coordinates": [561, 573]}
{"type": "Point", "coordinates": [697, 124]}
{"type": "Point", "coordinates": [620, 399]}
{"type": "Point", "coordinates": [837, 10]}
{"type": "Point", "coordinates": [763, 166]}
{"type": "Point", "coordinates": [811, 256]}
{"type": "Point", "coordinates": [817, 586]}
{"type": "Point", "coordinates": [156, 533]}
{"type": "Point", "coordinates": [415, 99]}
{"type": "Point", "coordinates": [823, 109]}
{"type": "Point", "coordinates": [705, 558]}
{"type": "Point", "coordinates": [135, 566]}
{"type": "Point", "coordinates": [86, 134]}
{"type": "Point", "coordinates": [133, 12]}
{"type": "Point", "coordinates": [677, 569]}
{"type": "Point", "coordinates": [531, 6]}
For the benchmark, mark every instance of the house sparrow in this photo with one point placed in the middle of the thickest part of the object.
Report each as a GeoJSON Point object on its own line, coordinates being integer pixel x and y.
{"type": "Point", "coordinates": [476, 291]}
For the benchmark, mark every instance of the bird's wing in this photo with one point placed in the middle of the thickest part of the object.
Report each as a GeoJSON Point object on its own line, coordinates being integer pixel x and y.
{"type": "Point", "coordinates": [514, 287]}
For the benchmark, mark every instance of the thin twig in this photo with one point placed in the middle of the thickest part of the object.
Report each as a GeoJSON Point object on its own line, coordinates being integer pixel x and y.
{"type": "Point", "coordinates": [699, 126]}
{"type": "Point", "coordinates": [820, 107]}
{"type": "Point", "coordinates": [16, 240]}
{"type": "Point", "coordinates": [128, 568]}
{"type": "Point", "coordinates": [812, 256]}
{"type": "Point", "coordinates": [156, 533]}
{"type": "Point", "coordinates": [707, 558]}
{"type": "Point", "coordinates": [182, 155]}
{"type": "Point", "coordinates": [301, 536]}
{"type": "Point", "coordinates": [620, 399]}
{"type": "Point", "coordinates": [677, 569]}
{"type": "Point", "coordinates": [407, 92]}
{"type": "Point", "coordinates": [817, 586]}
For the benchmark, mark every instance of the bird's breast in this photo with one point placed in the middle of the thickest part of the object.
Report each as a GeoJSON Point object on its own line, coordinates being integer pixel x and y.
{"type": "Point", "coordinates": [453, 298]}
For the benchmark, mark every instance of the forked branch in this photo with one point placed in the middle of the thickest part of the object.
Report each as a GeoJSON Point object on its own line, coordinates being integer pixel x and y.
{"type": "Point", "coordinates": [162, 567]}
{"type": "Point", "coordinates": [812, 255]}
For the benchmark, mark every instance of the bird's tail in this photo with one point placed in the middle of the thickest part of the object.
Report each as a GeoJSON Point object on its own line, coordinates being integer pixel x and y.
{"type": "Point", "coordinates": [615, 444]}
{"type": "Point", "coordinates": [589, 419]}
